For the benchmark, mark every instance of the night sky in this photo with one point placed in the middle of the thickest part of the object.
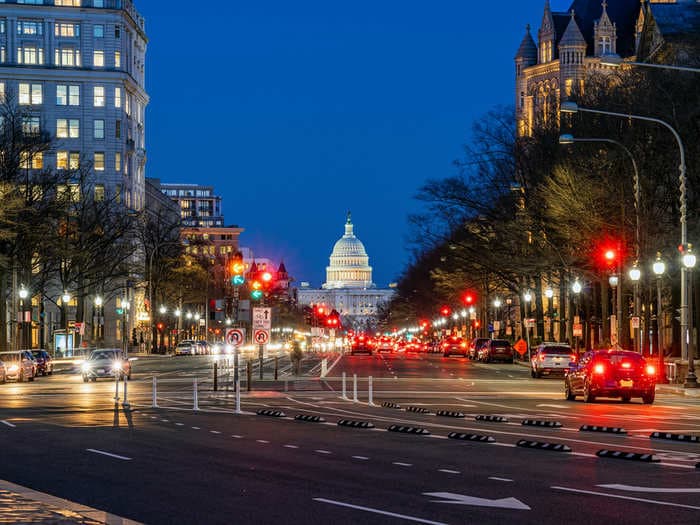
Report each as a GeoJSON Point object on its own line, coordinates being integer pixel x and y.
{"type": "Point", "coordinates": [297, 111]}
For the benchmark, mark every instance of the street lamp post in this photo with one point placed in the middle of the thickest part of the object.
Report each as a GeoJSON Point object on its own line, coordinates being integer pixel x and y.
{"type": "Point", "coordinates": [23, 294]}
{"type": "Point", "coordinates": [635, 274]}
{"type": "Point", "coordinates": [572, 107]}
{"type": "Point", "coordinates": [162, 310]}
{"type": "Point", "coordinates": [178, 316]}
{"type": "Point", "coordinates": [576, 288]}
{"type": "Point", "coordinates": [659, 268]}
{"type": "Point", "coordinates": [497, 305]}
{"type": "Point", "coordinates": [689, 261]}
{"type": "Point", "coordinates": [125, 328]}
{"type": "Point", "coordinates": [527, 296]}
{"type": "Point", "coordinates": [614, 281]}
{"type": "Point", "coordinates": [99, 319]}
{"type": "Point", "coordinates": [549, 294]}
{"type": "Point", "coordinates": [65, 299]}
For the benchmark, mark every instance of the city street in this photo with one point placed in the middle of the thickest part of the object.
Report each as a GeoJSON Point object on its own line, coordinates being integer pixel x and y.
{"type": "Point", "coordinates": [173, 464]}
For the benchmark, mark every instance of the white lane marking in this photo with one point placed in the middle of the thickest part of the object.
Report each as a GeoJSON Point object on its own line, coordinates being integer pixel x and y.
{"type": "Point", "coordinates": [195, 428]}
{"type": "Point", "coordinates": [264, 441]}
{"type": "Point", "coordinates": [643, 500]}
{"type": "Point", "coordinates": [632, 488]}
{"type": "Point", "coordinates": [164, 421]}
{"type": "Point", "coordinates": [363, 458]}
{"type": "Point", "coordinates": [399, 464]}
{"type": "Point", "coordinates": [154, 417]}
{"type": "Point", "coordinates": [323, 451]}
{"type": "Point", "coordinates": [378, 511]}
{"type": "Point", "coordinates": [494, 478]}
{"type": "Point", "coordinates": [290, 446]}
{"type": "Point", "coordinates": [215, 432]}
{"type": "Point", "coordinates": [179, 424]}
{"type": "Point", "coordinates": [117, 456]}
{"type": "Point", "coordinates": [8, 423]}
{"type": "Point", "coordinates": [551, 406]}
{"type": "Point", "coordinates": [237, 436]}
{"type": "Point", "coordinates": [448, 471]}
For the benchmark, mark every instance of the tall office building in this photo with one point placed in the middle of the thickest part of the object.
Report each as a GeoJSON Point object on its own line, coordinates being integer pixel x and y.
{"type": "Point", "coordinates": [200, 207]}
{"type": "Point", "coordinates": [78, 67]}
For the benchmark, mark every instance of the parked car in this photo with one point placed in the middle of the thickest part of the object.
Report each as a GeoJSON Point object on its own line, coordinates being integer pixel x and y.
{"type": "Point", "coordinates": [3, 373]}
{"type": "Point", "coordinates": [453, 344]}
{"type": "Point", "coordinates": [361, 344]}
{"type": "Point", "coordinates": [106, 363]}
{"type": "Point", "coordinates": [551, 358]}
{"type": "Point", "coordinates": [186, 348]}
{"type": "Point", "coordinates": [611, 373]}
{"type": "Point", "coordinates": [475, 345]}
{"type": "Point", "coordinates": [19, 365]}
{"type": "Point", "coordinates": [44, 362]}
{"type": "Point", "coordinates": [497, 350]}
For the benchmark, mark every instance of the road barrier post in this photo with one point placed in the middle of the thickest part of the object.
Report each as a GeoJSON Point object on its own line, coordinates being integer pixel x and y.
{"type": "Point", "coordinates": [125, 403]}
{"type": "Point", "coordinates": [195, 398]}
{"type": "Point", "coordinates": [261, 351]}
{"type": "Point", "coordinates": [345, 396]}
{"type": "Point", "coordinates": [154, 403]}
{"type": "Point", "coordinates": [354, 387]}
{"type": "Point", "coordinates": [238, 397]}
{"type": "Point", "coordinates": [370, 401]}
{"type": "Point", "coordinates": [276, 366]}
{"type": "Point", "coordinates": [324, 367]}
{"type": "Point", "coordinates": [116, 387]}
{"type": "Point", "coordinates": [216, 379]}
{"type": "Point", "coordinates": [249, 373]}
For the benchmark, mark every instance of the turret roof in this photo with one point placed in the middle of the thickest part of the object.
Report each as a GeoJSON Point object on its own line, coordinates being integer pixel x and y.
{"type": "Point", "coordinates": [527, 48]}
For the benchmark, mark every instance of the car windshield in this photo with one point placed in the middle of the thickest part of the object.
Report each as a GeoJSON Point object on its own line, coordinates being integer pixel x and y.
{"type": "Point", "coordinates": [556, 350]}
{"type": "Point", "coordinates": [9, 357]}
{"type": "Point", "coordinates": [38, 354]}
{"type": "Point", "coordinates": [501, 344]}
{"type": "Point", "coordinates": [100, 356]}
{"type": "Point", "coordinates": [618, 357]}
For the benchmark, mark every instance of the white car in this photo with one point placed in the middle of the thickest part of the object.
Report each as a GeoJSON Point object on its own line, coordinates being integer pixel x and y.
{"type": "Point", "coordinates": [18, 366]}
{"type": "Point", "coordinates": [186, 348]}
{"type": "Point", "coordinates": [551, 358]}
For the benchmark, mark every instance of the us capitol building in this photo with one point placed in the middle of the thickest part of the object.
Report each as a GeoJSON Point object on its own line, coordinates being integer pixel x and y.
{"type": "Point", "coordinates": [348, 288]}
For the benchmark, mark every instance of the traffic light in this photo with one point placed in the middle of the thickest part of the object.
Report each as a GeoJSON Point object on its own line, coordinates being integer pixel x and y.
{"type": "Point", "coordinates": [445, 311]}
{"type": "Point", "coordinates": [160, 327]}
{"type": "Point", "coordinates": [237, 270]}
{"type": "Point", "coordinates": [256, 292]}
{"type": "Point", "coordinates": [469, 298]}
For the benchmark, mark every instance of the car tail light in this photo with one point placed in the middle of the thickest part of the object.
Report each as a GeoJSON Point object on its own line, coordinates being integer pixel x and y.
{"type": "Point", "coordinates": [463, 345]}
{"type": "Point", "coordinates": [445, 345]}
{"type": "Point", "coordinates": [626, 364]}
{"type": "Point", "coordinates": [651, 370]}
{"type": "Point", "coordinates": [599, 369]}
{"type": "Point", "coordinates": [541, 357]}
{"type": "Point", "coordinates": [572, 357]}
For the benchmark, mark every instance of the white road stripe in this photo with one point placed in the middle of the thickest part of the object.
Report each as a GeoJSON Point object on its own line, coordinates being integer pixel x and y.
{"type": "Point", "coordinates": [499, 479]}
{"type": "Point", "coordinates": [237, 436]}
{"type": "Point", "coordinates": [290, 446]}
{"type": "Point", "coordinates": [179, 424]}
{"type": "Point", "coordinates": [399, 464]}
{"type": "Point", "coordinates": [195, 428]}
{"type": "Point", "coordinates": [263, 441]}
{"type": "Point", "coordinates": [363, 458]}
{"type": "Point", "coordinates": [448, 471]}
{"type": "Point", "coordinates": [643, 500]}
{"type": "Point", "coordinates": [215, 432]}
{"type": "Point", "coordinates": [632, 488]}
{"type": "Point", "coordinates": [117, 456]}
{"type": "Point", "coordinates": [8, 423]}
{"type": "Point", "coordinates": [323, 451]}
{"type": "Point", "coordinates": [378, 511]}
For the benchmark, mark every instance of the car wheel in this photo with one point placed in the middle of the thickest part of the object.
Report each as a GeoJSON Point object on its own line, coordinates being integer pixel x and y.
{"type": "Point", "coordinates": [85, 379]}
{"type": "Point", "coordinates": [626, 399]}
{"type": "Point", "coordinates": [570, 396]}
{"type": "Point", "coordinates": [532, 373]}
{"type": "Point", "coordinates": [648, 398]}
{"type": "Point", "coordinates": [94, 379]}
{"type": "Point", "coordinates": [588, 396]}
{"type": "Point", "coordinates": [31, 378]}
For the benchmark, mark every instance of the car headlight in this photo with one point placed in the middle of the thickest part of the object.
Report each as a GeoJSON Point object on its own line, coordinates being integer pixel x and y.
{"type": "Point", "coordinates": [13, 369]}
{"type": "Point", "coordinates": [116, 365]}
{"type": "Point", "coordinates": [85, 367]}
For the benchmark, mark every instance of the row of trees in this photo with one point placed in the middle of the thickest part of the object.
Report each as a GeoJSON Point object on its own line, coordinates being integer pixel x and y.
{"type": "Point", "coordinates": [524, 213]}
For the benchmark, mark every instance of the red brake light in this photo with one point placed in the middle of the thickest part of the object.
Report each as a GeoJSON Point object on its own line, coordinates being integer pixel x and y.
{"type": "Point", "coordinates": [572, 357]}
{"type": "Point", "coordinates": [651, 370]}
{"type": "Point", "coordinates": [626, 364]}
{"type": "Point", "coordinates": [599, 368]}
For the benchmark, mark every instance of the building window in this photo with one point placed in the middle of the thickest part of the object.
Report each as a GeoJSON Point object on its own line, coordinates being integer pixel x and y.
{"type": "Point", "coordinates": [117, 97]}
{"type": "Point", "coordinates": [3, 54]}
{"type": "Point", "coordinates": [31, 125]}
{"type": "Point", "coordinates": [117, 59]}
{"type": "Point", "coordinates": [68, 3]}
{"type": "Point", "coordinates": [67, 95]}
{"type": "Point", "coordinates": [67, 57]}
{"type": "Point", "coordinates": [99, 192]}
{"type": "Point", "coordinates": [30, 94]}
{"type": "Point", "coordinates": [30, 27]}
{"type": "Point", "coordinates": [99, 163]}
{"type": "Point", "coordinates": [65, 29]}
{"type": "Point", "coordinates": [67, 128]}
{"type": "Point", "coordinates": [118, 193]}
{"type": "Point", "coordinates": [99, 129]}
{"type": "Point", "coordinates": [98, 98]}
{"type": "Point", "coordinates": [98, 31]}
{"type": "Point", "coordinates": [67, 160]}
{"type": "Point", "coordinates": [98, 58]}
{"type": "Point", "coordinates": [2, 26]}
{"type": "Point", "coordinates": [118, 129]}
{"type": "Point", "coordinates": [30, 55]}
{"type": "Point", "coordinates": [117, 162]}
{"type": "Point", "coordinates": [98, 3]}
{"type": "Point", "coordinates": [34, 161]}
{"type": "Point", "coordinates": [2, 92]}
{"type": "Point", "coordinates": [117, 32]}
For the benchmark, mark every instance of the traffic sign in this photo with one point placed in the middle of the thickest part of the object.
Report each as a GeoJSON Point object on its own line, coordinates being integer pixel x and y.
{"type": "Point", "coordinates": [261, 337]}
{"type": "Point", "coordinates": [262, 318]}
{"type": "Point", "coordinates": [235, 336]}
{"type": "Point", "coordinates": [578, 330]}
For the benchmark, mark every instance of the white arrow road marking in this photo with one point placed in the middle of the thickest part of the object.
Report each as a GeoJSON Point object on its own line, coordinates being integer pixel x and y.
{"type": "Point", "coordinates": [461, 499]}
{"type": "Point", "coordinates": [7, 423]}
{"type": "Point", "coordinates": [378, 511]}
{"type": "Point", "coordinates": [653, 501]}
{"type": "Point", "coordinates": [631, 488]}
{"type": "Point", "coordinates": [95, 451]}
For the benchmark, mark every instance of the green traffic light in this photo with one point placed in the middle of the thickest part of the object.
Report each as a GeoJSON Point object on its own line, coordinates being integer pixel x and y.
{"type": "Point", "coordinates": [237, 280]}
{"type": "Point", "coordinates": [256, 295]}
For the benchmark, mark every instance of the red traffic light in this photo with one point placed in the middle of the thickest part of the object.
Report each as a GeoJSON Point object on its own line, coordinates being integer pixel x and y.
{"type": "Point", "coordinates": [445, 311]}
{"type": "Point", "coordinates": [266, 277]}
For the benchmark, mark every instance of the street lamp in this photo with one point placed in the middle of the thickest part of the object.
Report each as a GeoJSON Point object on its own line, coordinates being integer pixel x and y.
{"type": "Point", "coordinates": [576, 288]}
{"type": "Point", "coordinates": [635, 275]}
{"type": "Point", "coordinates": [99, 321]}
{"type": "Point", "coordinates": [689, 261]}
{"type": "Point", "coordinates": [659, 268]}
{"type": "Point", "coordinates": [528, 297]}
{"type": "Point", "coordinates": [23, 294]}
{"type": "Point", "coordinates": [572, 107]}
{"type": "Point", "coordinates": [614, 281]}
{"type": "Point", "coordinates": [125, 321]}
{"type": "Point", "coordinates": [549, 294]}
{"type": "Point", "coordinates": [65, 299]}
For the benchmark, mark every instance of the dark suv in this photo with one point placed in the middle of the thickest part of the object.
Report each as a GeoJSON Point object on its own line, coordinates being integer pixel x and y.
{"type": "Point", "coordinates": [474, 346]}
{"type": "Point", "coordinates": [44, 362]}
{"type": "Point", "coordinates": [497, 350]}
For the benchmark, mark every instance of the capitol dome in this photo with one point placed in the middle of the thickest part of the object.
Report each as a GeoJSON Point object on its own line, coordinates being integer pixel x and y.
{"type": "Point", "coordinates": [349, 263]}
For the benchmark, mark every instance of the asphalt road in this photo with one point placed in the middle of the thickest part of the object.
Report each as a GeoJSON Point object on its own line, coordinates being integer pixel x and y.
{"type": "Point", "coordinates": [176, 465]}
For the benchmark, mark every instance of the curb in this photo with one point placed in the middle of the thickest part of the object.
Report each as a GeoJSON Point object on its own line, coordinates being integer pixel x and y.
{"type": "Point", "coordinates": [679, 390]}
{"type": "Point", "coordinates": [471, 437]}
{"type": "Point", "coordinates": [408, 430]}
{"type": "Point", "coordinates": [419, 410]}
{"type": "Point", "coordinates": [555, 447]}
{"type": "Point", "coordinates": [595, 428]}
{"type": "Point", "coordinates": [630, 456]}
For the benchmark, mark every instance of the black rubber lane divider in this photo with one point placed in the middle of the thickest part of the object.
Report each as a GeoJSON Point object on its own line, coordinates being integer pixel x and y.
{"type": "Point", "coordinates": [631, 456]}
{"type": "Point", "coordinates": [268, 412]}
{"type": "Point", "coordinates": [310, 418]}
{"type": "Point", "coordinates": [675, 437]}
{"type": "Point", "coordinates": [408, 430]}
{"type": "Point", "coordinates": [419, 410]}
{"type": "Point", "coordinates": [389, 404]}
{"type": "Point", "coordinates": [697, 465]}
{"type": "Point", "coordinates": [495, 419]}
{"type": "Point", "coordinates": [471, 437]}
{"type": "Point", "coordinates": [539, 423]}
{"type": "Point", "coordinates": [556, 447]}
{"type": "Point", "coordinates": [595, 428]}
{"type": "Point", "coordinates": [448, 413]}
{"type": "Point", "coordinates": [355, 424]}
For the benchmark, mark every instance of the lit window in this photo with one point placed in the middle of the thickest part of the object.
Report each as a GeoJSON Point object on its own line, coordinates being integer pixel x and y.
{"type": "Point", "coordinates": [117, 162]}
{"type": "Point", "coordinates": [2, 26]}
{"type": "Point", "coordinates": [67, 95]}
{"type": "Point", "coordinates": [98, 58]}
{"type": "Point", "coordinates": [66, 29]}
{"type": "Point", "coordinates": [98, 31]}
{"type": "Point", "coordinates": [30, 94]}
{"type": "Point", "coordinates": [67, 128]}
{"type": "Point", "coordinates": [98, 96]}
{"type": "Point", "coordinates": [2, 92]}
{"type": "Point", "coordinates": [68, 3]}
{"type": "Point", "coordinates": [117, 59]}
{"type": "Point", "coordinates": [67, 57]}
{"type": "Point", "coordinates": [74, 160]}
{"type": "Point", "coordinates": [99, 161]}
{"type": "Point", "coordinates": [99, 192]}
{"type": "Point", "coordinates": [74, 95]}
{"type": "Point", "coordinates": [117, 97]}
{"type": "Point", "coordinates": [99, 129]}
{"type": "Point", "coordinates": [61, 160]}
{"type": "Point", "coordinates": [29, 27]}
{"type": "Point", "coordinates": [31, 125]}
{"type": "Point", "coordinates": [118, 193]}
{"type": "Point", "coordinates": [30, 55]}
{"type": "Point", "coordinates": [34, 160]}
{"type": "Point", "coordinates": [3, 54]}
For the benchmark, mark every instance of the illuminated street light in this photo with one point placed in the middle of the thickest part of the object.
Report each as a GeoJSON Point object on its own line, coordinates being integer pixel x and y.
{"type": "Point", "coordinates": [163, 310]}
{"type": "Point", "coordinates": [635, 275]}
{"type": "Point", "coordinates": [549, 293]}
{"type": "Point", "coordinates": [689, 261]}
{"type": "Point", "coordinates": [497, 303]}
{"type": "Point", "coordinates": [659, 268]}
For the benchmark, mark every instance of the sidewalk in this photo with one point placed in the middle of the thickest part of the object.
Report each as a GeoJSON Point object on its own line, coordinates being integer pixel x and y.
{"type": "Point", "coordinates": [20, 504]}
{"type": "Point", "coordinates": [678, 390]}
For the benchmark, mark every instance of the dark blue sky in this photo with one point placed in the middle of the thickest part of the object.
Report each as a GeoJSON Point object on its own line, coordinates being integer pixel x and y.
{"type": "Point", "coordinates": [299, 111]}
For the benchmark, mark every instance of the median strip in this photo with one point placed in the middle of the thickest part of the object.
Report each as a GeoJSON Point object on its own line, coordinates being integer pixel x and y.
{"type": "Point", "coordinates": [490, 418]}
{"type": "Point", "coordinates": [309, 418]}
{"type": "Point", "coordinates": [630, 456]}
{"type": "Point", "coordinates": [269, 412]}
{"type": "Point", "coordinates": [449, 413]}
{"type": "Point", "coordinates": [408, 430]}
{"type": "Point", "coordinates": [471, 437]}
{"type": "Point", "coordinates": [675, 437]}
{"type": "Point", "coordinates": [419, 410]}
{"type": "Point", "coordinates": [355, 424]}
{"type": "Point", "coordinates": [389, 404]}
{"type": "Point", "coordinates": [595, 428]}
{"type": "Point", "coordinates": [539, 445]}
{"type": "Point", "coordinates": [540, 423]}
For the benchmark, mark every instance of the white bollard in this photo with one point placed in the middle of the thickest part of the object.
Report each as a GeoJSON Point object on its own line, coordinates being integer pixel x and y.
{"type": "Point", "coordinates": [345, 396]}
{"type": "Point", "coordinates": [370, 394]}
{"type": "Point", "coordinates": [154, 403]}
{"type": "Point", "coordinates": [354, 388]}
{"type": "Point", "coordinates": [324, 367]}
{"type": "Point", "coordinates": [195, 400]}
{"type": "Point", "coordinates": [125, 403]}
{"type": "Point", "coordinates": [116, 387]}
{"type": "Point", "coordinates": [238, 396]}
